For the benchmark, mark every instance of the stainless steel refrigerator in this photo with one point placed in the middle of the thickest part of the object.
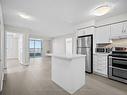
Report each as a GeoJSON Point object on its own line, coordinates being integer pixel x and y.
{"type": "Point", "coordinates": [85, 47]}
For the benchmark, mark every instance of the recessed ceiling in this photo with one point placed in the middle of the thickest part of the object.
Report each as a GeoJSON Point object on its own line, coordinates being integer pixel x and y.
{"type": "Point", "coordinates": [55, 17]}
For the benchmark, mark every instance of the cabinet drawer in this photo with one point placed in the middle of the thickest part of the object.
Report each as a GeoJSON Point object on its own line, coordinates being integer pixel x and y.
{"type": "Point", "coordinates": [100, 64]}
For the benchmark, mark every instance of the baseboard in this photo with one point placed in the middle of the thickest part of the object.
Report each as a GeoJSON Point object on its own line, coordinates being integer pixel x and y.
{"type": "Point", "coordinates": [103, 75]}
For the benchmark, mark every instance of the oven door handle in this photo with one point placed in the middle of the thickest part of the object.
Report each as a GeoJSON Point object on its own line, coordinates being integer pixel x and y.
{"type": "Point", "coordinates": [118, 58]}
{"type": "Point", "coordinates": [118, 68]}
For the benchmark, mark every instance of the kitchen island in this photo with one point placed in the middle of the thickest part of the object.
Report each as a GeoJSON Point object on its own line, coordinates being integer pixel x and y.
{"type": "Point", "coordinates": [68, 71]}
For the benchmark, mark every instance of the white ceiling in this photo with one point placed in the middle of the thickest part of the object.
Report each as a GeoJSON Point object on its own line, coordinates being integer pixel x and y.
{"type": "Point", "coordinates": [55, 17]}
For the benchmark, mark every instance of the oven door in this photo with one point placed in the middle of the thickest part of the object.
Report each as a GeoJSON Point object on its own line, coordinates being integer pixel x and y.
{"type": "Point", "coordinates": [118, 69]}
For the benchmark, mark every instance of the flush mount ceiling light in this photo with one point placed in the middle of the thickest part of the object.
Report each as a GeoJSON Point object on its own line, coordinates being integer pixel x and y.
{"type": "Point", "coordinates": [101, 10]}
{"type": "Point", "coordinates": [25, 16]}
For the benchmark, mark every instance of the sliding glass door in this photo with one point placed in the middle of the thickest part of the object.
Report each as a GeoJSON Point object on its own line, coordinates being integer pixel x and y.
{"type": "Point", "coordinates": [35, 47]}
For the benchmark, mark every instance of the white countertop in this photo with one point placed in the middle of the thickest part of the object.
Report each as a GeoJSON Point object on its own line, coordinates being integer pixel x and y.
{"type": "Point", "coordinates": [67, 56]}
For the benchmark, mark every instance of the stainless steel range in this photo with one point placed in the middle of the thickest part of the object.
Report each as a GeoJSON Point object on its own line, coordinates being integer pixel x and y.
{"type": "Point", "coordinates": [117, 64]}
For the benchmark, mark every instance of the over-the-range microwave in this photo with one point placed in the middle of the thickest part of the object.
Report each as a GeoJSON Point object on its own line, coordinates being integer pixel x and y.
{"type": "Point", "coordinates": [103, 50]}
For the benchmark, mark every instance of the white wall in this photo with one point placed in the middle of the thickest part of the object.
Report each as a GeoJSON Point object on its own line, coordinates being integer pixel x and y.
{"type": "Point", "coordinates": [2, 48]}
{"type": "Point", "coordinates": [59, 44]}
{"type": "Point", "coordinates": [46, 46]}
{"type": "Point", "coordinates": [12, 47]}
{"type": "Point", "coordinates": [25, 50]}
{"type": "Point", "coordinates": [25, 41]}
{"type": "Point", "coordinates": [20, 48]}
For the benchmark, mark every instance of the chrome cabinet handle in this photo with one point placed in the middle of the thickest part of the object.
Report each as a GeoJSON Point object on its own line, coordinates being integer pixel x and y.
{"type": "Point", "coordinates": [118, 68]}
{"type": "Point", "coordinates": [118, 58]}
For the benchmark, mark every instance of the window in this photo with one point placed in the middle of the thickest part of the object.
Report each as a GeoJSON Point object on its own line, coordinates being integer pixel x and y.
{"type": "Point", "coordinates": [35, 48]}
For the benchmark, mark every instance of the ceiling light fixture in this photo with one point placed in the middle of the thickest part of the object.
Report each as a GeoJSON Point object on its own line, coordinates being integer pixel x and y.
{"type": "Point", "coordinates": [25, 16]}
{"type": "Point", "coordinates": [102, 10]}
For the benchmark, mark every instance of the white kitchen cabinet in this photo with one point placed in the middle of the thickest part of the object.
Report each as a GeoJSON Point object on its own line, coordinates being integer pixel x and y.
{"type": "Point", "coordinates": [103, 34]}
{"type": "Point", "coordinates": [68, 71]}
{"type": "Point", "coordinates": [100, 64]}
{"type": "Point", "coordinates": [89, 31]}
{"type": "Point", "coordinates": [86, 31]}
{"type": "Point", "coordinates": [81, 32]}
{"type": "Point", "coordinates": [124, 28]}
{"type": "Point", "coordinates": [116, 30]}
{"type": "Point", "coordinates": [95, 62]}
{"type": "Point", "coordinates": [119, 30]}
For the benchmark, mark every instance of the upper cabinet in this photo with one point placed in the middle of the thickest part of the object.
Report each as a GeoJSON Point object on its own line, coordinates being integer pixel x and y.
{"type": "Point", "coordinates": [89, 31]}
{"type": "Point", "coordinates": [103, 34]}
{"type": "Point", "coordinates": [118, 30]}
{"type": "Point", "coordinates": [86, 31]}
{"type": "Point", "coordinates": [125, 28]}
{"type": "Point", "coordinates": [81, 32]}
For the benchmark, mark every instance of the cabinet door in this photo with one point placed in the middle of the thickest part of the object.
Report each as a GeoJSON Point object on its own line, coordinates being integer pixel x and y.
{"type": "Point", "coordinates": [116, 30]}
{"type": "Point", "coordinates": [81, 32]}
{"type": "Point", "coordinates": [103, 64]}
{"type": "Point", "coordinates": [100, 64]}
{"type": "Point", "coordinates": [125, 28]}
{"type": "Point", "coordinates": [103, 34]}
{"type": "Point", "coordinates": [89, 31]}
{"type": "Point", "coordinates": [101, 60]}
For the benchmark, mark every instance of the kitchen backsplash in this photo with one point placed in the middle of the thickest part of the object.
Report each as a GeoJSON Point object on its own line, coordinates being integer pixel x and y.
{"type": "Point", "coordinates": [119, 43]}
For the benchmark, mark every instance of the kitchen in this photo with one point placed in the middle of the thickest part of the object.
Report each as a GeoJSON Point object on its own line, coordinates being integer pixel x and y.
{"type": "Point", "coordinates": [109, 39]}
{"type": "Point", "coordinates": [80, 47]}
{"type": "Point", "coordinates": [104, 46]}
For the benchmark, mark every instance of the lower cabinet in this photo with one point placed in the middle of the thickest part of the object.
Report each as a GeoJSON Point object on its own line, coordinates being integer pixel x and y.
{"type": "Point", "coordinates": [100, 64]}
